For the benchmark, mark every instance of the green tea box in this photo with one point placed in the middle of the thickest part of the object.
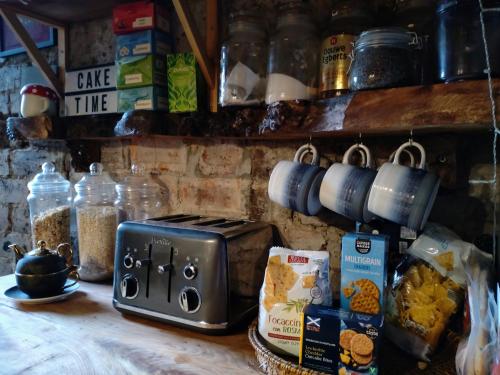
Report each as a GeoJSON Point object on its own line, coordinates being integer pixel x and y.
{"type": "Point", "coordinates": [140, 71]}
{"type": "Point", "coordinates": [184, 83]}
{"type": "Point", "coordinates": [149, 97]}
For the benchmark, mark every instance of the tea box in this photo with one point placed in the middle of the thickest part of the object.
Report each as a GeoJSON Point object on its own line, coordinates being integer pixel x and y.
{"type": "Point", "coordinates": [149, 97]}
{"type": "Point", "coordinates": [140, 15]}
{"type": "Point", "coordinates": [141, 71]}
{"type": "Point", "coordinates": [143, 43]}
{"type": "Point", "coordinates": [184, 83]}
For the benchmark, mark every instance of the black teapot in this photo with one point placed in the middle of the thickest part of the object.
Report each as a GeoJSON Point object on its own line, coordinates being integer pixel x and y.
{"type": "Point", "coordinates": [43, 272]}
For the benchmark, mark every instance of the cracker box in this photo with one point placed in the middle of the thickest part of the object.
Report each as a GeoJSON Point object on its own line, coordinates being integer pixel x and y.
{"type": "Point", "coordinates": [338, 341]}
{"type": "Point", "coordinates": [185, 86]}
{"type": "Point", "coordinates": [149, 97]}
{"type": "Point", "coordinates": [140, 15]}
{"type": "Point", "coordinates": [363, 270]}
{"type": "Point", "coordinates": [143, 43]}
{"type": "Point", "coordinates": [140, 71]}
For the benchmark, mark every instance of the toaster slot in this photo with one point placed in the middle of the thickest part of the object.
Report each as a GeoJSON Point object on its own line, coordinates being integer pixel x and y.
{"type": "Point", "coordinates": [183, 219]}
{"type": "Point", "coordinates": [230, 224]}
{"type": "Point", "coordinates": [149, 270]}
{"type": "Point", "coordinates": [170, 275]}
{"type": "Point", "coordinates": [169, 217]}
{"type": "Point", "coordinates": [211, 222]}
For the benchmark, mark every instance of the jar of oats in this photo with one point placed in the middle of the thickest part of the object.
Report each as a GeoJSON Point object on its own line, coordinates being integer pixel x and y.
{"type": "Point", "coordinates": [50, 207]}
{"type": "Point", "coordinates": [96, 219]}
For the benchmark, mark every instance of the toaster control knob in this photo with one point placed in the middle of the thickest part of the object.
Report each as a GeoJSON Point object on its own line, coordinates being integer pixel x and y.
{"type": "Point", "coordinates": [129, 287]}
{"type": "Point", "coordinates": [190, 300]}
{"type": "Point", "coordinates": [142, 263]}
{"type": "Point", "coordinates": [164, 268]}
{"type": "Point", "coordinates": [128, 261]}
{"type": "Point", "coordinates": [190, 271]}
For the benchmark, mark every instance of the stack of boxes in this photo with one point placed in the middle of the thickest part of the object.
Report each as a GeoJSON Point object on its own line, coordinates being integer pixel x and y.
{"type": "Point", "coordinates": [142, 44]}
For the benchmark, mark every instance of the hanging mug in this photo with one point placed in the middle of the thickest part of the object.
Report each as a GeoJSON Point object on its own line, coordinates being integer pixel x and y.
{"type": "Point", "coordinates": [295, 185]}
{"type": "Point", "coordinates": [403, 194]}
{"type": "Point", "coordinates": [345, 186]}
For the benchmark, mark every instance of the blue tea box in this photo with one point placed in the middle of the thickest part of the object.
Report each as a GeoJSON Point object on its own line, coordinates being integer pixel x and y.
{"type": "Point", "coordinates": [363, 272]}
{"type": "Point", "coordinates": [337, 341]}
{"type": "Point", "coordinates": [143, 43]}
{"type": "Point", "coordinates": [149, 97]}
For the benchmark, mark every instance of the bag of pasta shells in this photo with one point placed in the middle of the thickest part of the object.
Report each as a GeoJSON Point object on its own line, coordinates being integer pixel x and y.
{"type": "Point", "coordinates": [293, 279]}
{"type": "Point", "coordinates": [428, 289]}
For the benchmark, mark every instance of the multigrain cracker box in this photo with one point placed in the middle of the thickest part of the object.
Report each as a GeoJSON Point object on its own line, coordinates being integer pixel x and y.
{"type": "Point", "coordinates": [338, 341]}
{"type": "Point", "coordinates": [293, 279]}
{"type": "Point", "coordinates": [363, 271]}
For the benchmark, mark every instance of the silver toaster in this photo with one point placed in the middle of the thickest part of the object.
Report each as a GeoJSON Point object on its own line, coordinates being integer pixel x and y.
{"type": "Point", "coordinates": [199, 272]}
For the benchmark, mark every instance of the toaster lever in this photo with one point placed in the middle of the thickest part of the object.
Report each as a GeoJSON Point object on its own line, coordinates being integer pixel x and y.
{"type": "Point", "coordinates": [142, 263]}
{"type": "Point", "coordinates": [164, 268]}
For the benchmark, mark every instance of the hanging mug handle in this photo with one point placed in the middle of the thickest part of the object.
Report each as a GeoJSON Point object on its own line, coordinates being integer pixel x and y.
{"type": "Point", "coordinates": [303, 151]}
{"type": "Point", "coordinates": [401, 148]}
{"type": "Point", "coordinates": [407, 152]}
{"type": "Point", "coordinates": [366, 156]}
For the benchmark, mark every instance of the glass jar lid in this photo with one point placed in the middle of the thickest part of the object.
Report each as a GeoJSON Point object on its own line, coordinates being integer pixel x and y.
{"type": "Point", "coordinates": [351, 9]}
{"type": "Point", "coordinates": [96, 182]}
{"type": "Point", "coordinates": [389, 36]}
{"type": "Point", "coordinates": [445, 5]}
{"type": "Point", "coordinates": [49, 181]}
{"type": "Point", "coordinates": [295, 13]}
{"type": "Point", "coordinates": [137, 182]}
{"type": "Point", "coordinates": [247, 22]}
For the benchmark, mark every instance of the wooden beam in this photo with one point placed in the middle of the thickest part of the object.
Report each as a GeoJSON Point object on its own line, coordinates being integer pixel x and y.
{"type": "Point", "coordinates": [32, 50]}
{"type": "Point", "coordinates": [40, 18]}
{"type": "Point", "coordinates": [62, 61]}
{"type": "Point", "coordinates": [212, 27]}
{"type": "Point", "coordinates": [193, 37]}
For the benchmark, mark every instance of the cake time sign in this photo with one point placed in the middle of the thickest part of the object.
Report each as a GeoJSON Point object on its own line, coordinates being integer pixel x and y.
{"type": "Point", "coordinates": [91, 91]}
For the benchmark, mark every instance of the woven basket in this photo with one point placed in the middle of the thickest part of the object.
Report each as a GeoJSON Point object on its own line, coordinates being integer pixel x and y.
{"type": "Point", "coordinates": [393, 361]}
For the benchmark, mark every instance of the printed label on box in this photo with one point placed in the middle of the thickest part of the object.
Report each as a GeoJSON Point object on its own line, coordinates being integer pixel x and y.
{"type": "Point", "coordinates": [131, 79]}
{"type": "Point", "coordinates": [142, 48]}
{"type": "Point", "coordinates": [363, 272]}
{"type": "Point", "coordinates": [142, 22]}
{"type": "Point", "coordinates": [144, 104]}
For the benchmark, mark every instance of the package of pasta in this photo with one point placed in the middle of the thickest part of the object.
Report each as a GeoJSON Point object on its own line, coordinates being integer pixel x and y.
{"type": "Point", "coordinates": [427, 290]}
{"type": "Point", "coordinates": [293, 279]}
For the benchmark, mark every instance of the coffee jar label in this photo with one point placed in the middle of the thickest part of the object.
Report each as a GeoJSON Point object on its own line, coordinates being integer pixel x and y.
{"type": "Point", "coordinates": [335, 62]}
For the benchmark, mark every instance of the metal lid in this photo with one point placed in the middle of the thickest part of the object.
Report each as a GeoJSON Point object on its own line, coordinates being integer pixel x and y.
{"type": "Point", "coordinates": [96, 182]}
{"type": "Point", "coordinates": [247, 22]}
{"type": "Point", "coordinates": [49, 181]}
{"type": "Point", "coordinates": [137, 182]}
{"type": "Point", "coordinates": [295, 13]}
{"type": "Point", "coordinates": [390, 36]}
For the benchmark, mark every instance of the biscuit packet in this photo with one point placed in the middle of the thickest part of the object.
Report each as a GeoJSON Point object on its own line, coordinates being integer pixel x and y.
{"type": "Point", "coordinates": [427, 290]}
{"type": "Point", "coordinates": [293, 279]}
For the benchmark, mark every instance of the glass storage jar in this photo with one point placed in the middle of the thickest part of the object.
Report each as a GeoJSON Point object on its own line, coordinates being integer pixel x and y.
{"type": "Point", "coordinates": [349, 18]}
{"type": "Point", "coordinates": [50, 207]}
{"type": "Point", "coordinates": [243, 61]}
{"type": "Point", "coordinates": [459, 39]}
{"type": "Point", "coordinates": [96, 219]}
{"type": "Point", "coordinates": [138, 197]}
{"type": "Point", "coordinates": [292, 70]}
{"type": "Point", "coordinates": [382, 58]}
{"type": "Point", "coordinates": [418, 16]}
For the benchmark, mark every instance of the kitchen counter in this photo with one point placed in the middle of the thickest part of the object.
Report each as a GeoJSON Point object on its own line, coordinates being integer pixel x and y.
{"type": "Point", "coordinates": [86, 335]}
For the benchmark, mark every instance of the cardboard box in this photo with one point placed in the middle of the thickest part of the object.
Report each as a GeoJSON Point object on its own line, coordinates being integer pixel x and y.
{"type": "Point", "coordinates": [143, 43]}
{"type": "Point", "coordinates": [363, 272]}
{"type": "Point", "coordinates": [339, 341]}
{"type": "Point", "coordinates": [150, 97]}
{"type": "Point", "coordinates": [141, 15]}
{"type": "Point", "coordinates": [140, 71]}
{"type": "Point", "coordinates": [184, 83]}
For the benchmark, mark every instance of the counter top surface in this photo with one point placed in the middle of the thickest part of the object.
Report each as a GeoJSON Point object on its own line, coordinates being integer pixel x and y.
{"type": "Point", "coordinates": [86, 335]}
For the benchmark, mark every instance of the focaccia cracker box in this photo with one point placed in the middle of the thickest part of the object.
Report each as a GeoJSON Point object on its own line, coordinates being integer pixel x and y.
{"type": "Point", "coordinates": [363, 271]}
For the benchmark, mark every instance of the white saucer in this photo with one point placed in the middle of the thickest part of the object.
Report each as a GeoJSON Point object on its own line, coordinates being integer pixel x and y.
{"type": "Point", "coordinates": [15, 294]}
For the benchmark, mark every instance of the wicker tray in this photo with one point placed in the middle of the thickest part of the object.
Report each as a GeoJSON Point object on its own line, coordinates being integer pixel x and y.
{"type": "Point", "coordinates": [396, 362]}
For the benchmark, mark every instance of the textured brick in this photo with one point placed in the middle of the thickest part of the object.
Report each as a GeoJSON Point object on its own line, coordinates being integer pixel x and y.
{"type": "Point", "coordinates": [304, 237]}
{"type": "Point", "coordinates": [4, 162]}
{"type": "Point", "coordinates": [170, 188]}
{"type": "Point", "coordinates": [13, 190]}
{"type": "Point", "coordinates": [115, 155]}
{"type": "Point", "coordinates": [27, 162]}
{"type": "Point", "coordinates": [4, 219]}
{"type": "Point", "coordinates": [171, 157]}
{"type": "Point", "coordinates": [214, 196]}
{"type": "Point", "coordinates": [260, 205]}
{"type": "Point", "coordinates": [223, 160]}
{"type": "Point", "coordinates": [21, 219]}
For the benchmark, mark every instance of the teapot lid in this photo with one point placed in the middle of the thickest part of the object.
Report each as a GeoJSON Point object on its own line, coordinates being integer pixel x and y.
{"type": "Point", "coordinates": [49, 181]}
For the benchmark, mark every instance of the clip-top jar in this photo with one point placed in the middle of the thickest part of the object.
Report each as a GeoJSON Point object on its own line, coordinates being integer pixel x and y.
{"type": "Point", "coordinates": [138, 196]}
{"type": "Point", "coordinates": [293, 55]}
{"type": "Point", "coordinates": [460, 42]}
{"type": "Point", "coordinates": [50, 207]}
{"type": "Point", "coordinates": [383, 58]}
{"type": "Point", "coordinates": [97, 221]}
{"type": "Point", "coordinates": [243, 61]}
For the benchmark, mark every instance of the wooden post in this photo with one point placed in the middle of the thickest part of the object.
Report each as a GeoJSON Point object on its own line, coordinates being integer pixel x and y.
{"type": "Point", "coordinates": [213, 51]}
{"type": "Point", "coordinates": [62, 61]}
{"type": "Point", "coordinates": [32, 50]}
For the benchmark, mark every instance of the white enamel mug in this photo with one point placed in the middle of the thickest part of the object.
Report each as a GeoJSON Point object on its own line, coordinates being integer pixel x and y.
{"type": "Point", "coordinates": [345, 187]}
{"type": "Point", "coordinates": [403, 194]}
{"type": "Point", "coordinates": [295, 185]}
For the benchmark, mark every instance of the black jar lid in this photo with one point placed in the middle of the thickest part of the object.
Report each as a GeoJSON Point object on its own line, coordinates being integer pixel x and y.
{"type": "Point", "coordinates": [388, 36]}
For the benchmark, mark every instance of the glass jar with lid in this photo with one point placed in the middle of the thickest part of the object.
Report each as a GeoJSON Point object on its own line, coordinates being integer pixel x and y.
{"type": "Point", "coordinates": [96, 219]}
{"type": "Point", "coordinates": [383, 58]}
{"type": "Point", "coordinates": [459, 38]}
{"type": "Point", "coordinates": [138, 196]}
{"type": "Point", "coordinates": [349, 18]}
{"type": "Point", "coordinates": [243, 61]}
{"type": "Point", "coordinates": [50, 207]}
{"type": "Point", "coordinates": [418, 16]}
{"type": "Point", "coordinates": [292, 68]}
